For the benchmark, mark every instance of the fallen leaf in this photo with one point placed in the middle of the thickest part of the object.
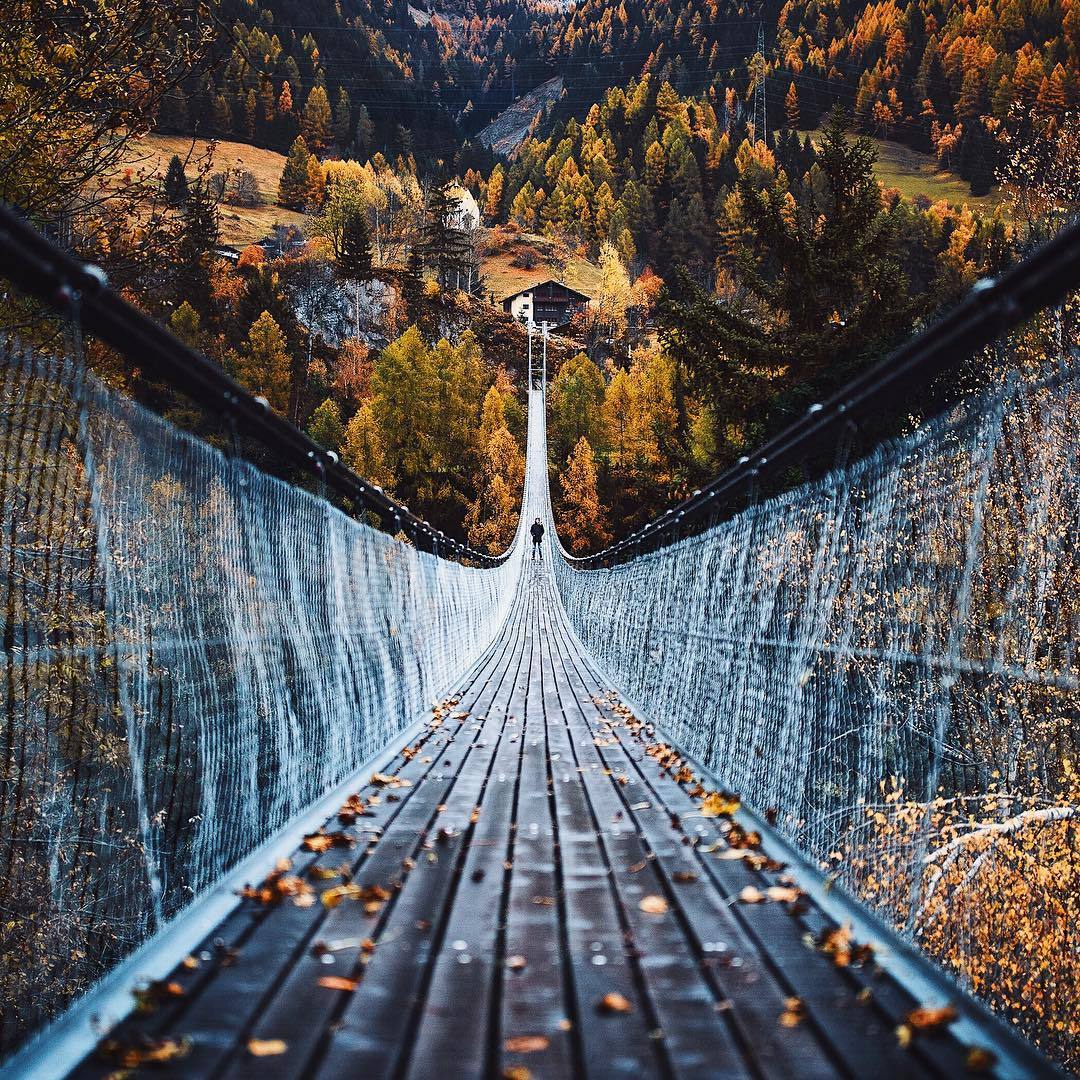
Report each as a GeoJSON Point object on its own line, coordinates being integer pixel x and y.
{"type": "Point", "coordinates": [786, 894]}
{"type": "Point", "coordinates": [338, 982]}
{"type": "Point", "coordinates": [793, 1012]}
{"type": "Point", "coordinates": [354, 807]}
{"type": "Point", "coordinates": [653, 905]}
{"type": "Point", "coordinates": [719, 804]}
{"type": "Point", "coordinates": [614, 1003]}
{"type": "Point", "coordinates": [516, 962]}
{"type": "Point", "coordinates": [927, 1017]}
{"type": "Point", "coordinates": [386, 780]}
{"type": "Point", "coordinates": [277, 885]}
{"type": "Point", "coordinates": [516, 1072]}
{"type": "Point", "coordinates": [370, 895]}
{"type": "Point", "coordinates": [142, 1050]}
{"type": "Point", "coordinates": [751, 895]}
{"type": "Point", "coordinates": [324, 841]}
{"type": "Point", "coordinates": [979, 1060]}
{"type": "Point", "coordinates": [266, 1047]}
{"type": "Point", "coordinates": [843, 948]}
{"type": "Point", "coordinates": [684, 877]}
{"type": "Point", "coordinates": [150, 996]}
{"type": "Point", "coordinates": [526, 1044]}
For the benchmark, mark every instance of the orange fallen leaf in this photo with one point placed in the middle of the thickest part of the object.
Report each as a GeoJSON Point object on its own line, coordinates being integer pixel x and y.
{"type": "Point", "coordinates": [370, 895]}
{"type": "Point", "coordinates": [526, 1044]}
{"type": "Point", "coordinates": [614, 1003]}
{"type": "Point", "coordinates": [142, 1051]}
{"type": "Point", "coordinates": [150, 996]}
{"type": "Point", "coordinates": [653, 905]}
{"type": "Point", "coordinates": [719, 804]}
{"type": "Point", "coordinates": [516, 963]}
{"type": "Point", "coordinates": [386, 780]}
{"type": "Point", "coordinates": [843, 948]}
{"type": "Point", "coordinates": [324, 841]}
{"type": "Point", "coordinates": [793, 1012]}
{"type": "Point", "coordinates": [684, 877]}
{"type": "Point", "coordinates": [980, 1060]}
{"type": "Point", "coordinates": [266, 1047]}
{"type": "Point", "coordinates": [338, 982]}
{"type": "Point", "coordinates": [928, 1017]}
{"type": "Point", "coordinates": [517, 1072]}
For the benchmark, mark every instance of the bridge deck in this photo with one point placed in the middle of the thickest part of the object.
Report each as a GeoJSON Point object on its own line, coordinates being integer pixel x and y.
{"type": "Point", "coordinates": [535, 896]}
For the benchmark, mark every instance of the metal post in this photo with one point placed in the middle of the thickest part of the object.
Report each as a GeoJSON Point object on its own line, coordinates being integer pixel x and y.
{"type": "Point", "coordinates": [544, 332]}
{"type": "Point", "coordinates": [529, 330]}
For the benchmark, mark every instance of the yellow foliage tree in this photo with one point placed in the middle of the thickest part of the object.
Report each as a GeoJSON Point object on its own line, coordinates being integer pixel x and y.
{"type": "Point", "coordinates": [583, 520]}
{"type": "Point", "coordinates": [263, 366]}
{"type": "Point", "coordinates": [492, 517]}
{"type": "Point", "coordinates": [362, 448]}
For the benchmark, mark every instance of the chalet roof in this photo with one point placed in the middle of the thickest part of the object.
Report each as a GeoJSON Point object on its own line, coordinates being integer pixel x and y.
{"type": "Point", "coordinates": [536, 285]}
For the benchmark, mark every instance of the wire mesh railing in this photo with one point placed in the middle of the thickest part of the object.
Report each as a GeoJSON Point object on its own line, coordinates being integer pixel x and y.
{"type": "Point", "coordinates": [884, 662]}
{"type": "Point", "coordinates": [193, 652]}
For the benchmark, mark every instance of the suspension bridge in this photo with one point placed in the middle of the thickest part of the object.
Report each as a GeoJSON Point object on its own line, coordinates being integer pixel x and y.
{"type": "Point", "coordinates": [301, 799]}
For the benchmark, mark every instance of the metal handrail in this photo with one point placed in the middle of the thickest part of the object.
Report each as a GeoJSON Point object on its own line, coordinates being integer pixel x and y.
{"type": "Point", "coordinates": [993, 307]}
{"type": "Point", "coordinates": [42, 269]}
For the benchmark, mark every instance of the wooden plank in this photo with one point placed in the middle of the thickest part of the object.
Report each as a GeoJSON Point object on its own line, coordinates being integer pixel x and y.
{"type": "Point", "coordinates": [451, 1038]}
{"type": "Point", "coordinates": [536, 1004]}
{"type": "Point", "coordinates": [602, 958]}
{"type": "Point", "coordinates": [375, 1030]}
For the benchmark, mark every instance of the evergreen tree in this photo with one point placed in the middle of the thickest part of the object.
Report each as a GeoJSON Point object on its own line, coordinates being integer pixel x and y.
{"type": "Point", "coordinates": [819, 260]}
{"type": "Point", "coordinates": [198, 240]}
{"type": "Point", "coordinates": [293, 186]}
{"type": "Point", "coordinates": [412, 286]}
{"type": "Point", "coordinates": [443, 244]}
{"type": "Point", "coordinates": [353, 259]}
{"type": "Point", "coordinates": [221, 116]}
{"type": "Point", "coordinates": [365, 131]}
{"type": "Point", "coordinates": [175, 185]}
{"type": "Point", "coordinates": [342, 119]}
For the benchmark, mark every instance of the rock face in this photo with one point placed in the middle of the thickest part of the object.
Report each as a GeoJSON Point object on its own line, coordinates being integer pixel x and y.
{"type": "Point", "coordinates": [508, 130]}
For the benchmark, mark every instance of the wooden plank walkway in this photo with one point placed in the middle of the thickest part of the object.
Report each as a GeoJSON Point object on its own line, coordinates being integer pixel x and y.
{"type": "Point", "coordinates": [532, 891]}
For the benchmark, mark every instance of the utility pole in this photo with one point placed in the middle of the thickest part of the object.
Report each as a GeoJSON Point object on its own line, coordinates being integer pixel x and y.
{"type": "Point", "coordinates": [761, 130]}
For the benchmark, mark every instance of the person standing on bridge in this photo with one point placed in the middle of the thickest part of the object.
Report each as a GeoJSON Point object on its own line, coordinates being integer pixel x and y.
{"type": "Point", "coordinates": [537, 531]}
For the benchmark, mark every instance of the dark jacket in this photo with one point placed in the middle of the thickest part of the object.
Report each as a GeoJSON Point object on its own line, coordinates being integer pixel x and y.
{"type": "Point", "coordinates": [537, 531]}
